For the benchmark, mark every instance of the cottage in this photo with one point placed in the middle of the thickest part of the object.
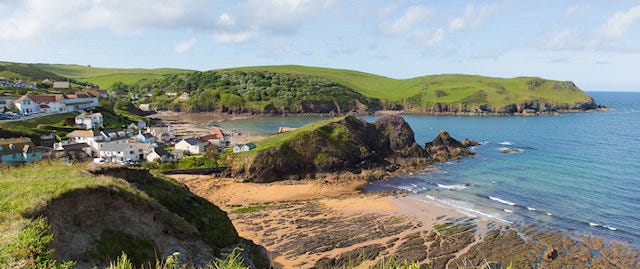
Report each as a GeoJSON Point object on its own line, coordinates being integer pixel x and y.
{"type": "Point", "coordinates": [119, 152]}
{"type": "Point", "coordinates": [55, 103]}
{"type": "Point", "coordinates": [159, 154]}
{"type": "Point", "coordinates": [162, 133]}
{"type": "Point", "coordinates": [246, 147]}
{"type": "Point", "coordinates": [18, 150]}
{"type": "Point", "coordinates": [91, 137]}
{"type": "Point", "coordinates": [145, 107]}
{"type": "Point", "coordinates": [89, 121]}
{"type": "Point", "coordinates": [192, 145]}
{"type": "Point", "coordinates": [77, 151]}
{"type": "Point", "coordinates": [26, 105]}
{"type": "Point", "coordinates": [6, 102]}
{"type": "Point", "coordinates": [113, 134]}
{"type": "Point", "coordinates": [146, 138]}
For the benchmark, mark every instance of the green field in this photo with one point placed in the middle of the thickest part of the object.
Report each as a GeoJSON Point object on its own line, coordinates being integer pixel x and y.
{"type": "Point", "coordinates": [105, 77]}
{"type": "Point", "coordinates": [453, 88]}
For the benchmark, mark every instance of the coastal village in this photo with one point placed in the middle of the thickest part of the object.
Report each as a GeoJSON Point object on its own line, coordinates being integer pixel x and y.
{"type": "Point", "coordinates": [145, 140]}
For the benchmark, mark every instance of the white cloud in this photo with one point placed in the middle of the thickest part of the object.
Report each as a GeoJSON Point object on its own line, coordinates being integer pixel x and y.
{"type": "Point", "coordinates": [474, 18]}
{"type": "Point", "coordinates": [185, 46]}
{"type": "Point", "coordinates": [235, 37]}
{"type": "Point", "coordinates": [618, 24]}
{"type": "Point", "coordinates": [254, 18]}
{"type": "Point", "coordinates": [558, 40]}
{"type": "Point", "coordinates": [33, 20]}
{"type": "Point", "coordinates": [415, 25]}
{"type": "Point", "coordinates": [414, 15]}
{"type": "Point", "coordinates": [575, 11]}
{"type": "Point", "coordinates": [426, 37]}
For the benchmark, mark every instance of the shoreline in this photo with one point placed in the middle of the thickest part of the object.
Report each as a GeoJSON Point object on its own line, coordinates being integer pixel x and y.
{"type": "Point", "coordinates": [323, 222]}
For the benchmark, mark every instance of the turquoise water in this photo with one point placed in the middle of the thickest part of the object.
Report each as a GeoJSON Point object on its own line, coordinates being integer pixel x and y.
{"type": "Point", "coordinates": [577, 172]}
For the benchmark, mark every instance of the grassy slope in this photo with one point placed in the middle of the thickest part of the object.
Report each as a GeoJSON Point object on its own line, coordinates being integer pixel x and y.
{"type": "Point", "coordinates": [25, 189]}
{"type": "Point", "coordinates": [105, 77]}
{"type": "Point", "coordinates": [456, 86]}
{"type": "Point", "coordinates": [278, 139]}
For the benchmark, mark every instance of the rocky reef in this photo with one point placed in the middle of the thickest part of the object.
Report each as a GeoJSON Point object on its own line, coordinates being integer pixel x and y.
{"type": "Point", "coordinates": [348, 144]}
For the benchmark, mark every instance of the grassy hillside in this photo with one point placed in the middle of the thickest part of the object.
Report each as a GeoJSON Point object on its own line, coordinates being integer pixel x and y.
{"type": "Point", "coordinates": [464, 91]}
{"type": "Point", "coordinates": [367, 84]}
{"type": "Point", "coordinates": [105, 77]}
{"type": "Point", "coordinates": [48, 209]}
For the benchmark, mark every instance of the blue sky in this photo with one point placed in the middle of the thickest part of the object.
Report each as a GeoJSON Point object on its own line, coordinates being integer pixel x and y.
{"type": "Point", "coordinates": [593, 43]}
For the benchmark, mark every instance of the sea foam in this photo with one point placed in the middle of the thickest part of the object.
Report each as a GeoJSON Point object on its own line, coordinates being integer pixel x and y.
{"type": "Point", "coordinates": [502, 201]}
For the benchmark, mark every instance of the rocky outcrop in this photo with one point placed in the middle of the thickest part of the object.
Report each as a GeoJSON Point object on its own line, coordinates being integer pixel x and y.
{"type": "Point", "coordinates": [346, 145]}
{"type": "Point", "coordinates": [444, 147]}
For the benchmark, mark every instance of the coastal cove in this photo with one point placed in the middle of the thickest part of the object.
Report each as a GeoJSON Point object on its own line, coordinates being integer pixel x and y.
{"type": "Point", "coordinates": [576, 172]}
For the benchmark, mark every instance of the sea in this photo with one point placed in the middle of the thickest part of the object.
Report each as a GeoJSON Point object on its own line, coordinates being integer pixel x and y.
{"type": "Point", "coordinates": [577, 172]}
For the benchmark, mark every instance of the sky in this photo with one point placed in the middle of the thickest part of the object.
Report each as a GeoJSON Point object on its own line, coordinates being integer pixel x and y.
{"type": "Point", "coordinates": [596, 44]}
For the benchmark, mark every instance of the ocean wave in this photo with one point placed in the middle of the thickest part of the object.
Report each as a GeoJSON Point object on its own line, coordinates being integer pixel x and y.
{"type": "Point", "coordinates": [466, 209]}
{"type": "Point", "coordinates": [549, 214]}
{"type": "Point", "coordinates": [506, 143]}
{"type": "Point", "coordinates": [531, 209]}
{"type": "Point", "coordinates": [502, 201]}
{"type": "Point", "coordinates": [593, 224]}
{"type": "Point", "coordinates": [610, 228]}
{"type": "Point", "coordinates": [453, 187]}
{"type": "Point", "coordinates": [508, 211]}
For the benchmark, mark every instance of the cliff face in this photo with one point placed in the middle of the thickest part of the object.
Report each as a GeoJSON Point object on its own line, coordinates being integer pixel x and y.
{"type": "Point", "coordinates": [349, 144]}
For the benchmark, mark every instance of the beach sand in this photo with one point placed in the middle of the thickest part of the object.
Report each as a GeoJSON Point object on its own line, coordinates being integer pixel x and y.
{"type": "Point", "coordinates": [303, 222]}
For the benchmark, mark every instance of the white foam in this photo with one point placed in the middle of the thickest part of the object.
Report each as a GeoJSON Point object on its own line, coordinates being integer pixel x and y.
{"type": "Point", "coordinates": [610, 228]}
{"type": "Point", "coordinates": [452, 187]}
{"type": "Point", "coordinates": [531, 208]}
{"type": "Point", "coordinates": [430, 197]}
{"type": "Point", "coordinates": [508, 211]}
{"type": "Point", "coordinates": [467, 209]}
{"type": "Point", "coordinates": [505, 143]}
{"type": "Point", "coordinates": [593, 224]}
{"type": "Point", "coordinates": [549, 214]}
{"type": "Point", "coordinates": [502, 201]}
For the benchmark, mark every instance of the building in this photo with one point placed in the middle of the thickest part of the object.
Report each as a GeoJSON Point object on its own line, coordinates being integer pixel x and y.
{"type": "Point", "coordinates": [55, 103]}
{"type": "Point", "coordinates": [146, 138]}
{"type": "Point", "coordinates": [246, 147]}
{"type": "Point", "coordinates": [159, 154]}
{"type": "Point", "coordinates": [26, 105]}
{"type": "Point", "coordinates": [91, 137]}
{"type": "Point", "coordinates": [77, 151]}
{"type": "Point", "coordinates": [18, 150]}
{"type": "Point", "coordinates": [118, 152]}
{"type": "Point", "coordinates": [89, 121]}
{"type": "Point", "coordinates": [162, 133]}
{"type": "Point", "coordinates": [61, 85]}
{"type": "Point", "coordinates": [145, 107]}
{"type": "Point", "coordinates": [6, 101]}
{"type": "Point", "coordinates": [192, 145]}
{"type": "Point", "coordinates": [113, 135]}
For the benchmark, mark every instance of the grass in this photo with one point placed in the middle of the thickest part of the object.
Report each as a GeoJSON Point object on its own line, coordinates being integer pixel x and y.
{"type": "Point", "coordinates": [105, 77]}
{"type": "Point", "coordinates": [278, 139]}
{"type": "Point", "coordinates": [450, 88]}
{"type": "Point", "coordinates": [248, 209]}
{"type": "Point", "coordinates": [25, 190]}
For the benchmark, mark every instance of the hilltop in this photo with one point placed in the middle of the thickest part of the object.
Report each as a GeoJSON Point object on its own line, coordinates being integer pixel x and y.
{"type": "Point", "coordinates": [90, 216]}
{"type": "Point", "coordinates": [302, 89]}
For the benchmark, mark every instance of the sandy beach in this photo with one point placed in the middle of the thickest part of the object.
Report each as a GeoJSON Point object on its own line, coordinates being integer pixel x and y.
{"type": "Point", "coordinates": [305, 224]}
{"type": "Point", "coordinates": [195, 124]}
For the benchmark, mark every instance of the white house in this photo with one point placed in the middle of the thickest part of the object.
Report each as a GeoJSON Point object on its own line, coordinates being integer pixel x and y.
{"type": "Point", "coordinates": [92, 138]}
{"type": "Point", "coordinates": [162, 133]}
{"type": "Point", "coordinates": [26, 105]}
{"type": "Point", "coordinates": [159, 154]}
{"type": "Point", "coordinates": [246, 147]}
{"type": "Point", "coordinates": [6, 101]}
{"type": "Point", "coordinates": [113, 134]}
{"type": "Point", "coordinates": [55, 103]}
{"type": "Point", "coordinates": [116, 151]}
{"type": "Point", "coordinates": [89, 121]}
{"type": "Point", "coordinates": [61, 85]}
{"type": "Point", "coordinates": [192, 145]}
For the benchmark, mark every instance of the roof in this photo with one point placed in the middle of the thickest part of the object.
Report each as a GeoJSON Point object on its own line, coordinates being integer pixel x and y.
{"type": "Point", "coordinates": [114, 133]}
{"type": "Point", "coordinates": [250, 145]}
{"type": "Point", "coordinates": [114, 146]}
{"type": "Point", "coordinates": [8, 98]}
{"type": "Point", "coordinates": [217, 132]}
{"type": "Point", "coordinates": [83, 133]}
{"type": "Point", "coordinates": [16, 145]}
{"type": "Point", "coordinates": [61, 84]}
{"type": "Point", "coordinates": [161, 151]}
{"type": "Point", "coordinates": [208, 137]}
{"type": "Point", "coordinates": [193, 141]}
{"type": "Point", "coordinates": [89, 116]}
{"type": "Point", "coordinates": [75, 146]}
